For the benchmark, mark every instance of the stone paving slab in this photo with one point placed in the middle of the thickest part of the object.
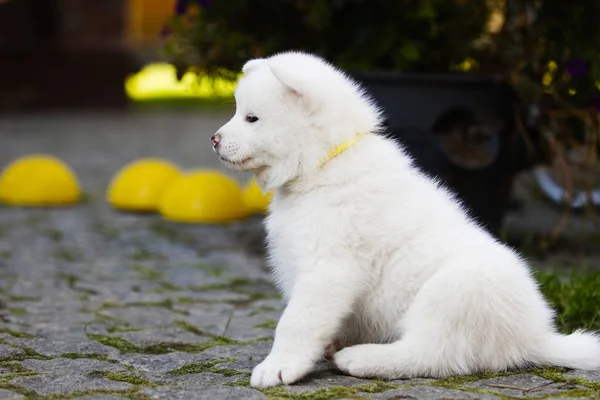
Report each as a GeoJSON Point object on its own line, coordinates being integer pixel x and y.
{"type": "Point", "coordinates": [99, 304]}
{"type": "Point", "coordinates": [523, 385]}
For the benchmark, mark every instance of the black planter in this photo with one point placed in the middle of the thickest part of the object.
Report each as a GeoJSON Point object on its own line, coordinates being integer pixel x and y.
{"type": "Point", "coordinates": [459, 128]}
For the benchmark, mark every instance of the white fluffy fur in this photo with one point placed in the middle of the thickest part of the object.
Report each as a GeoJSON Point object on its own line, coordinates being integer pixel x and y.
{"type": "Point", "coordinates": [369, 252]}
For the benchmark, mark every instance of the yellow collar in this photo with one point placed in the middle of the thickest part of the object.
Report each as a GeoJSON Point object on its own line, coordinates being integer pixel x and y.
{"type": "Point", "coordinates": [336, 151]}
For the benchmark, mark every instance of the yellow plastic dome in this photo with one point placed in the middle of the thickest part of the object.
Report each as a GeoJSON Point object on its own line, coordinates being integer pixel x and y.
{"type": "Point", "coordinates": [203, 196]}
{"type": "Point", "coordinates": [38, 180]}
{"type": "Point", "coordinates": [139, 185]}
{"type": "Point", "coordinates": [255, 200]}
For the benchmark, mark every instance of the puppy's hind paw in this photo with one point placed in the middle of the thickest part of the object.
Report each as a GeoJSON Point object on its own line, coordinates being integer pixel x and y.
{"type": "Point", "coordinates": [363, 361]}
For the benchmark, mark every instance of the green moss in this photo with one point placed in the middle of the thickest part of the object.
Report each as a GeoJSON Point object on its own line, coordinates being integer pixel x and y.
{"type": "Point", "coordinates": [33, 221]}
{"type": "Point", "coordinates": [123, 377]}
{"type": "Point", "coordinates": [335, 392]}
{"type": "Point", "coordinates": [228, 371]}
{"type": "Point", "coordinates": [575, 393]}
{"type": "Point", "coordinates": [142, 254]}
{"type": "Point", "coordinates": [22, 298]}
{"type": "Point", "coordinates": [122, 345]}
{"type": "Point", "coordinates": [103, 318]}
{"type": "Point", "coordinates": [5, 255]}
{"type": "Point", "coordinates": [86, 198]}
{"type": "Point", "coordinates": [188, 348]}
{"type": "Point", "coordinates": [29, 394]}
{"type": "Point", "coordinates": [92, 356]}
{"type": "Point", "coordinates": [87, 291]}
{"type": "Point", "coordinates": [125, 346]}
{"type": "Point", "coordinates": [132, 379]}
{"type": "Point", "coordinates": [243, 286]}
{"type": "Point", "coordinates": [132, 393]}
{"type": "Point", "coordinates": [588, 384]}
{"type": "Point", "coordinates": [554, 374]}
{"type": "Point", "coordinates": [268, 324]}
{"type": "Point", "coordinates": [165, 287]}
{"type": "Point", "coordinates": [170, 233]}
{"type": "Point", "coordinates": [29, 353]}
{"type": "Point", "coordinates": [190, 328]}
{"type": "Point", "coordinates": [168, 303]}
{"type": "Point", "coordinates": [211, 270]}
{"type": "Point", "coordinates": [262, 310]}
{"type": "Point", "coordinates": [208, 366]}
{"type": "Point", "coordinates": [241, 383]}
{"type": "Point", "coordinates": [53, 234]}
{"type": "Point", "coordinates": [108, 232]}
{"type": "Point", "coordinates": [16, 311]}
{"type": "Point", "coordinates": [13, 366]}
{"type": "Point", "coordinates": [84, 298]}
{"type": "Point", "coordinates": [148, 273]}
{"type": "Point", "coordinates": [70, 280]}
{"type": "Point", "coordinates": [458, 381]}
{"type": "Point", "coordinates": [187, 300]}
{"type": "Point", "coordinates": [117, 329]}
{"type": "Point", "coordinates": [16, 334]}
{"type": "Point", "coordinates": [233, 284]}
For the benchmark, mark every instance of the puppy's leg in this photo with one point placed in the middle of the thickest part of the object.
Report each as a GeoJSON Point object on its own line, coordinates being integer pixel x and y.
{"type": "Point", "coordinates": [322, 297]}
{"type": "Point", "coordinates": [333, 348]}
{"type": "Point", "coordinates": [460, 322]}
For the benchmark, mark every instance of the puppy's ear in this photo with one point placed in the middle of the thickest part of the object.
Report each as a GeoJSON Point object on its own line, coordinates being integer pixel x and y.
{"type": "Point", "coordinates": [252, 64]}
{"type": "Point", "coordinates": [283, 74]}
{"type": "Point", "coordinates": [294, 81]}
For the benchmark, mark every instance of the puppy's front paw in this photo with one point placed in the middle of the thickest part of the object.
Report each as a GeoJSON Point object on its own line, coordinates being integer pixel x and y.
{"type": "Point", "coordinates": [280, 370]}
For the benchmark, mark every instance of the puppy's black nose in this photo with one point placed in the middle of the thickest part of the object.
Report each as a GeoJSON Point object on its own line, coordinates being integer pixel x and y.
{"type": "Point", "coordinates": [215, 140]}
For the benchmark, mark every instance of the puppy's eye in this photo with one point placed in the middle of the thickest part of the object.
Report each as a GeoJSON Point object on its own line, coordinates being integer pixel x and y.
{"type": "Point", "coordinates": [251, 118]}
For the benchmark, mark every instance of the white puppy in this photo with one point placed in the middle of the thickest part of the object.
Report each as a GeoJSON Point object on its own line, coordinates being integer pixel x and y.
{"type": "Point", "coordinates": [371, 254]}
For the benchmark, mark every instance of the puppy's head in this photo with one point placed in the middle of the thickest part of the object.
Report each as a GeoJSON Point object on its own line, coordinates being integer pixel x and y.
{"type": "Point", "coordinates": [291, 110]}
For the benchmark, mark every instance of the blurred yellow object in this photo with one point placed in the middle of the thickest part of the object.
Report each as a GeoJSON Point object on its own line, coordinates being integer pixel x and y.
{"type": "Point", "coordinates": [159, 80]}
{"type": "Point", "coordinates": [203, 196]}
{"type": "Point", "coordinates": [38, 180]}
{"type": "Point", "coordinates": [256, 201]}
{"type": "Point", "coordinates": [140, 184]}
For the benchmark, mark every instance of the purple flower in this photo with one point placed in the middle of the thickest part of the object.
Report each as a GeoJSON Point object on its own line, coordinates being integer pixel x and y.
{"type": "Point", "coordinates": [576, 67]}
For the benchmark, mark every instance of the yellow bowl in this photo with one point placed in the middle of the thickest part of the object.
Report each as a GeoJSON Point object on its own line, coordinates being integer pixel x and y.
{"type": "Point", "coordinates": [255, 200]}
{"type": "Point", "coordinates": [38, 180]}
{"type": "Point", "coordinates": [203, 196]}
{"type": "Point", "coordinates": [139, 185]}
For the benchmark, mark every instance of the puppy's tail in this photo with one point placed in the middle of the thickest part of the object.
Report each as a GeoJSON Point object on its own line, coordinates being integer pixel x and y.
{"type": "Point", "coordinates": [579, 350]}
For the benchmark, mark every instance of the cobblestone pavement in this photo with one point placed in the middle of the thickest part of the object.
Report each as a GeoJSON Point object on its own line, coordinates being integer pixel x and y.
{"type": "Point", "coordinates": [97, 304]}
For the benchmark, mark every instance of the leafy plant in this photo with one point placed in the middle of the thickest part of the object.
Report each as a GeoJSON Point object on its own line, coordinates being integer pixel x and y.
{"type": "Point", "coordinates": [414, 35]}
{"type": "Point", "coordinates": [575, 298]}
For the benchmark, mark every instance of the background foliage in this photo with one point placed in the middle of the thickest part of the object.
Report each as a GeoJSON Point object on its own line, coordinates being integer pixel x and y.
{"type": "Point", "coordinates": [354, 34]}
{"type": "Point", "coordinates": [547, 49]}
